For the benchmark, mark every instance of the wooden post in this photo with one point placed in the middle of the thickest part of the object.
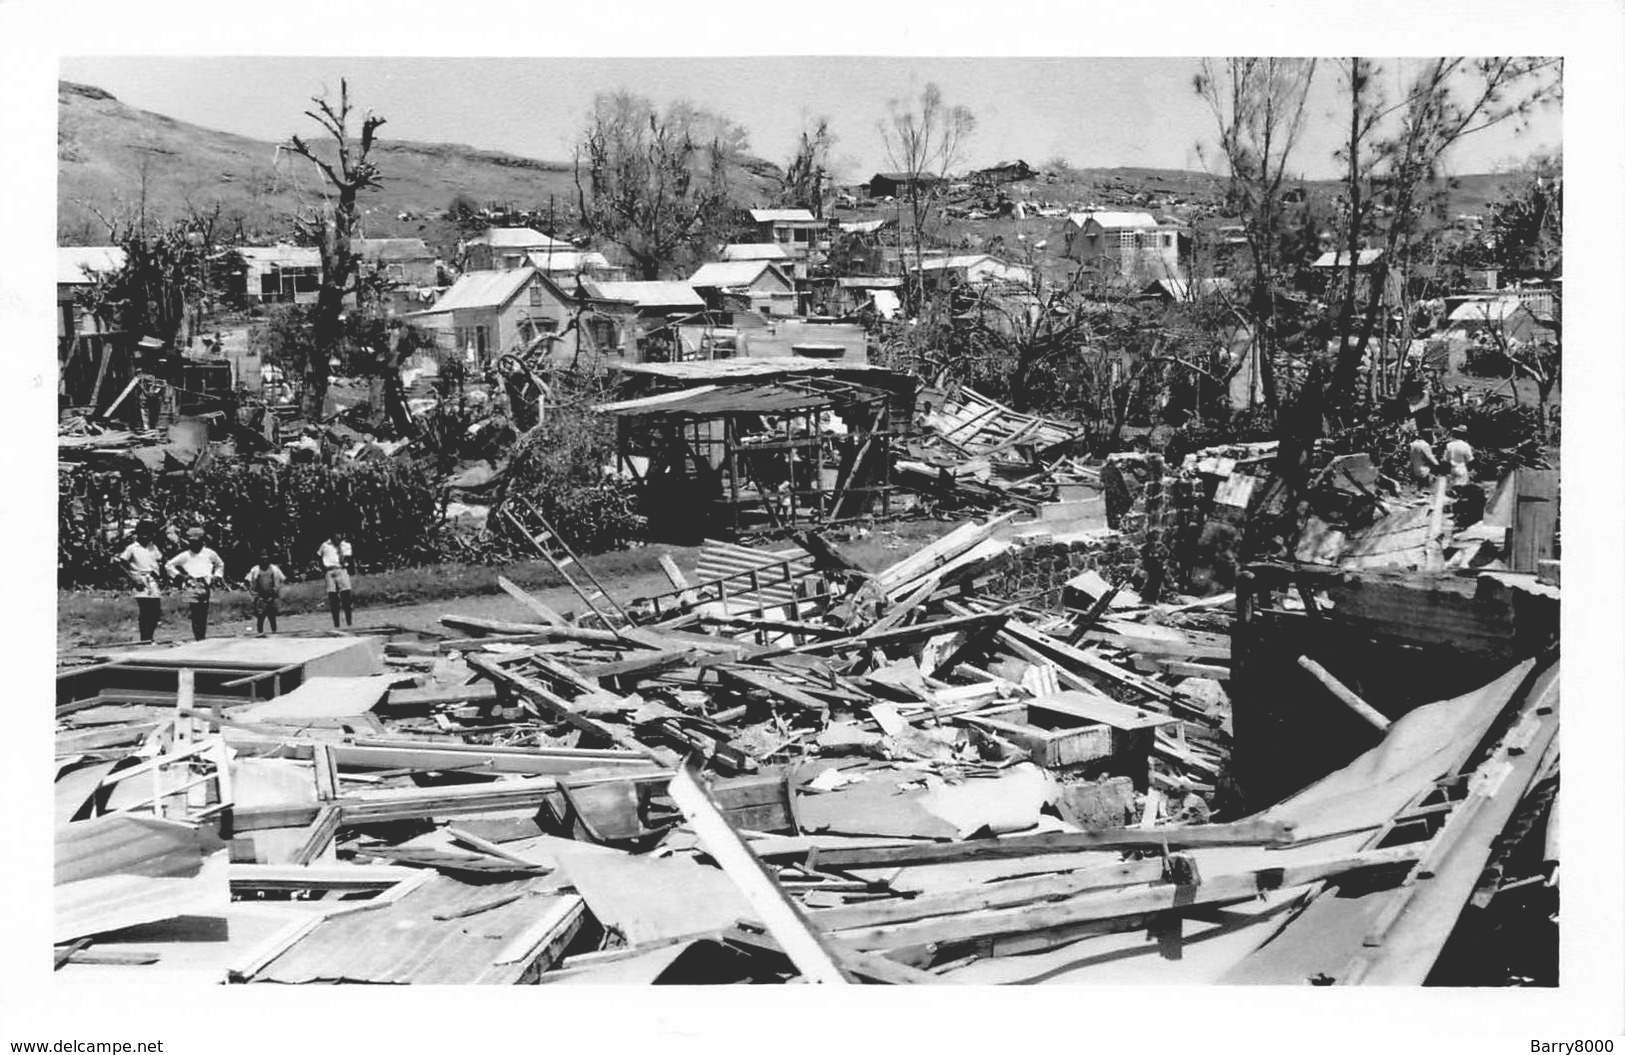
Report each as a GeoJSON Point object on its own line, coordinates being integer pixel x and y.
{"type": "Point", "coordinates": [802, 941]}
{"type": "Point", "coordinates": [1534, 524]}
{"type": "Point", "coordinates": [730, 454]}
{"type": "Point", "coordinates": [1377, 719]}
{"type": "Point", "coordinates": [1434, 547]}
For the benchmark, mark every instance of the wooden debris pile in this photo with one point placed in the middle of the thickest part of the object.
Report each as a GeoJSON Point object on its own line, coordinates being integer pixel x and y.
{"type": "Point", "coordinates": [978, 454]}
{"type": "Point", "coordinates": [786, 768]}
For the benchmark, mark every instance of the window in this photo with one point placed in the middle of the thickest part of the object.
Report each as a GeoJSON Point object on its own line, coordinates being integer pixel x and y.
{"type": "Point", "coordinates": [395, 272]}
{"type": "Point", "coordinates": [535, 294]}
{"type": "Point", "coordinates": [1167, 241]}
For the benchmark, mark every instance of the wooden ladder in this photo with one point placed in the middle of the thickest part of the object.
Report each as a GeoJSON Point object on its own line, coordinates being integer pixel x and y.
{"type": "Point", "coordinates": [529, 522]}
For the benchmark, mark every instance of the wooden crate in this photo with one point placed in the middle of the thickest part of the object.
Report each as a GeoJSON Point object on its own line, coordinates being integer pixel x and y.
{"type": "Point", "coordinates": [1056, 738]}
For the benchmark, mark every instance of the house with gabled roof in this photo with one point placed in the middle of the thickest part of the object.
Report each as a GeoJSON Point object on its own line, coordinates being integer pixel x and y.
{"type": "Point", "coordinates": [1127, 244]}
{"type": "Point", "coordinates": [758, 284]}
{"type": "Point", "coordinates": [507, 248]}
{"type": "Point", "coordinates": [488, 313]}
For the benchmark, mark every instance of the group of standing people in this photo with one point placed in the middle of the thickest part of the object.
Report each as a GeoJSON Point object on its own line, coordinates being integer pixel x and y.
{"type": "Point", "coordinates": [1455, 464]}
{"type": "Point", "coordinates": [197, 571]}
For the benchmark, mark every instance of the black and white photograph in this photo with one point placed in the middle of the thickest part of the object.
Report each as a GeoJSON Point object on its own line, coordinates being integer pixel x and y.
{"type": "Point", "coordinates": [703, 516]}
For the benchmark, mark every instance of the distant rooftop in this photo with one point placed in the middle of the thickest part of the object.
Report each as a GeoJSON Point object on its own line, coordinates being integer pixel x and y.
{"type": "Point", "coordinates": [783, 216]}
{"type": "Point", "coordinates": [762, 251]}
{"type": "Point", "coordinates": [1113, 221]}
{"type": "Point", "coordinates": [517, 238]}
{"type": "Point", "coordinates": [76, 265]}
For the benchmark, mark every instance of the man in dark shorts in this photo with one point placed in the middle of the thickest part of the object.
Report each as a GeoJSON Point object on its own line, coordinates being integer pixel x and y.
{"type": "Point", "coordinates": [197, 568]}
{"type": "Point", "coordinates": [334, 555]}
{"type": "Point", "coordinates": [265, 581]}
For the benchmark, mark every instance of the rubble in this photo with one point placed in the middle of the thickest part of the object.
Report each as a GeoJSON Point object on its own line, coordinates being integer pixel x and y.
{"type": "Point", "coordinates": [784, 768]}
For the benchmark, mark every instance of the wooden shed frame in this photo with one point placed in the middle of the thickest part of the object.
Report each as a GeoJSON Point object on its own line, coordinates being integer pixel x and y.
{"type": "Point", "coordinates": [779, 482]}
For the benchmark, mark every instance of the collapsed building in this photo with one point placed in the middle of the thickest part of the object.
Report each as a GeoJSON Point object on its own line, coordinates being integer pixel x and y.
{"type": "Point", "coordinates": [1133, 753]}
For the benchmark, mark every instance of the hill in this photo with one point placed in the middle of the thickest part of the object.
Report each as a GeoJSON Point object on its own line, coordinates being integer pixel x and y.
{"type": "Point", "coordinates": [108, 151]}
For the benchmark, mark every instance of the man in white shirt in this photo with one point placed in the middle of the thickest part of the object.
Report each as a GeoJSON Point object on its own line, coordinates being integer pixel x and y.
{"type": "Point", "coordinates": [198, 568]}
{"type": "Point", "coordinates": [143, 562]}
{"type": "Point", "coordinates": [334, 555]}
{"type": "Point", "coordinates": [1458, 454]}
{"type": "Point", "coordinates": [1423, 463]}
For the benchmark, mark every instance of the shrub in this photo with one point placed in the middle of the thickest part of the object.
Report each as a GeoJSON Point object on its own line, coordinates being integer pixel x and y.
{"type": "Point", "coordinates": [390, 507]}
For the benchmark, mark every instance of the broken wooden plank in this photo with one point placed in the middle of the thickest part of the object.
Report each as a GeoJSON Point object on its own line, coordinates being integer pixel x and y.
{"type": "Point", "coordinates": [1126, 901]}
{"type": "Point", "coordinates": [992, 895]}
{"type": "Point", "coordinates": [518, 593]}
{"type": "Point", "coordinates": [773, 687]}
{"type": "Point", "coordinates": [1345, 695]}
{"type": "Point", "coordinates": [801, 942]}
{"type": "Point", "coordinates": [1239, 833]}
{"type": "Point", "coordinates": [557, 707]}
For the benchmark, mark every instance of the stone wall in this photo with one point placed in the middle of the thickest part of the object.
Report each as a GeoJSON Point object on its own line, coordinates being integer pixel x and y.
{"type": "Point", "coordinates": [1169, 502]}
{"type": "Point", "coordinates": [1044, 567]}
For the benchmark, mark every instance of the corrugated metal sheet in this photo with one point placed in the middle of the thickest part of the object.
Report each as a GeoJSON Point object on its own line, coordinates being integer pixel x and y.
{"type": "Point", "coordinates": [743, 369]}
{"type": "Point", "coordinates": [649, 294]}
{"type": "Point", "coordinates": [710, 400]}
{"type": "Point", "coordinates": [720, 274]}
{"type": "Point", "coordinates": [403, 943]}
{"type": "Point", "coordinates": [483, 289]}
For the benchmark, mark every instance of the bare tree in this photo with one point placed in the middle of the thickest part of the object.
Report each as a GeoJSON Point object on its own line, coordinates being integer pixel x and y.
{"type": "Point", "coordinates": [923, 143]}
{"type": "Point", "coordinates": [1259, 105]}
{"type": "Point", "coordinates": [330, 226]}
{"type": "Point", "coordinates": [654, 183]}
{"type": "Point", "coordinates": [1446, 100]}
{"type": "Point", "coordinates": [805, 181]}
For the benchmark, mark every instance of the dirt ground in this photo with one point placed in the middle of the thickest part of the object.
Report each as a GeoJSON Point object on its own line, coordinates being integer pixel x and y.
{"type": "Point", "coordinates": [117, 624]}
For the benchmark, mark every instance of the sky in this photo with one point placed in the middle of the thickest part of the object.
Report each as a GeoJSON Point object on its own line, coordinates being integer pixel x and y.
{"type": "Point", "coordinates": [1094, 112]}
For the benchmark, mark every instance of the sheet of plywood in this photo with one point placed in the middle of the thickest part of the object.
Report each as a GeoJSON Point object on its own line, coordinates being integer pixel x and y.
{"type": "Point", "coordinates": [322, 699]}
{"type": "Point", "coordinates": [337, 657]}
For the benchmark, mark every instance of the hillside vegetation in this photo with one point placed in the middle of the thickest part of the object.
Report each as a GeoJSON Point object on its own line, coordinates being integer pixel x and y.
{"type": "Point", "coordinates": [111, 156]}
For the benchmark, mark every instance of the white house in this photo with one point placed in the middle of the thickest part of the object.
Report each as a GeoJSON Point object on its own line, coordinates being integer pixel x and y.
{"type": "Point", "coordinates": [507, 248]}
{"type": "Point", "coordinates": [492, 312]}
{"type": "Point", "coordinates": [767, 289]}
{"type": "Point", "coordinates": [1130, 244]}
